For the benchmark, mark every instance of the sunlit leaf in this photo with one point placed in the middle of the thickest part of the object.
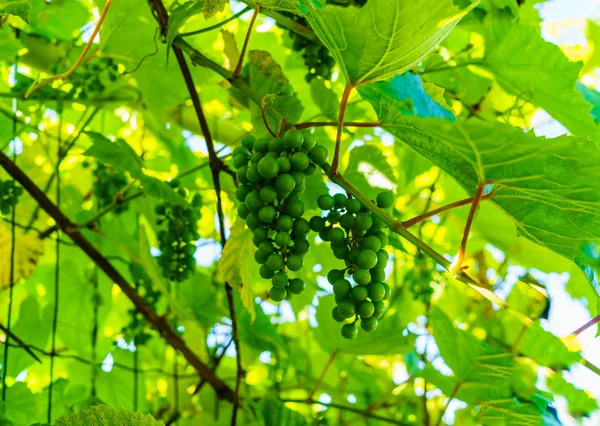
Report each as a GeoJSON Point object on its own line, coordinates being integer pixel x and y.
{"type": "Point", "coordinates": [28, 249]}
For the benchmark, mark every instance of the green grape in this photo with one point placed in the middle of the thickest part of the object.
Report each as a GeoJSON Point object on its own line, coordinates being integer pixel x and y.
{"type": "Point", "coordinates": [337, 236]}
{"type": "Point", "coordinates": [240, 150]}
{"type": "Point", "coordinates": [365, 309]}
{"type": "Point", "coordinates": [325, 202]}
{"type": "Point", "coordinates": [294, 262]}
{"type": "Point", "coordinates": [285, 165]}
{"type": "Point", "coordinates": [284, 222]}
{"type": "Point", "coordinates": [240, 160]}
{"type": "Point", "coordinates": [353, 206]}
{"type": "Point", "coordinates": [287, 90]}
{"type": "Point", "coordinates": [252, 221]}
{"type": "Point", "coordinates": [301, 247]}
{"type": "Point", "coordinates": [317, 223]}
{"type": "Point", "coordinates": [243, 211]}
{"type": "Point", "coordinates": [377, 224]}
{"type": "Point", "coordinates": [340, 251]}
{"type": "Point", "coordinates": [261, 145]}
{"type": "Point", "coordinates": [382, 258]}
{"type": "Point", "coordinates": [280, 280]}
{"type": "Point", "coordinates": [285, 183]}
{"type": "Point", "coordinates": [275, 262]}
{"type": "Point", "coordinates": [301, 227]}
{"type": "Point", "coordinates": [295, 208]}
{"type": "Point", "coordinates": [241, 174]}
{"type": "Point", "coordinates": [248, 142]}
{"type": "Point", "coordinates": [383, 238]}
{"type": "Point", "coordinates": [259, 235]}
{"type": "Point", "coordinates": [363, 221]}
{"type": "Point", "coordinates": [369, 324]}
{"type": "Point", "coordinates": [252, 175]}
{"type": "Point", "coordinates": [300, 161]}
{"type": "Point", "coordinates": [283, 239]}
{"type": "Point", "coordinates": [333, 216]}
{"type": "Point", "coordinates": [340, 201]}
{"type": "Point", "coordinates": [266, 247]}
{"type": "Point", "coordinates": [268, 194]}
{"type": "Point", "coordinates": [349, 331]}
{"type": "Point", "coordinates": [265, 272]}
{"type": "Point", "coordinates": [388, 291]}
{"type": "Point", "coordinates": [380, 309]}
{"type": "Point", "coordinates": [319, 155]}
{"type": "Point", "coordinates": [268, 167]}
{"type": "Point", "coordinates": [346, 221]}
{"type": "Point", "coordinates": [310, 170]}
{"type": "Point", "coordinates": [293, 139]}
{"type": "Point", "coordinates": [346, 309]}
{"type": "Point", "coordinates": [367, 259]}
{"type": "Point", "coordinates": [296, 286]}
{"type": "Point", "coordinates": [377, 275]}
{"type": "Point", "coordinates": [371, 242]}
{"type": "Point", "coordinates": [353, 256]}
{"type": "Point", "coordinates": [342, 288]}
{"type": "Point", "coordinates": [334, 275]}
{"type": "Point", "coordinates": [359, 293]}
{"type": "Point", "coordinates": [362, 277]}
{"type": "Point", "coordinates": [277, 294]}
{"type": "Point", "coordinates": [309, 141]}
{"type": "Point", "coordinates": [324, 233]}
{"type": "Point", "coordinates": [254, 202]}
{"type": "Point", "coordinates": [276, 145]}
{"type": "Point", "coordinates": [336, 316]}
{"type": "Point", "coordinates": [260, 258]}
{"type": "Point", "coordinates": [385, 199]}
{"type": "Point", "coordinates": [376, 291]}
{"type": "Point", "coordinates": [299, 178]}
{"type": "Point", "coordinates": [267, 214]}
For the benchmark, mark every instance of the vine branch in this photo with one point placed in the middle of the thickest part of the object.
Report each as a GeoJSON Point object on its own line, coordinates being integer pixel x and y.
{"type": "Point", "coordinates": [238, 67]}
{"type": "Point", "coordinates": [309, 124]}
{"type": "Point", "coordinates": [340, 127]}
{"type": "Point", "coordinates": [463, 244]}
{"type": "Point", "coordinates": [158, 323]}
{"type": "Point", "coordinates": [217, 25]}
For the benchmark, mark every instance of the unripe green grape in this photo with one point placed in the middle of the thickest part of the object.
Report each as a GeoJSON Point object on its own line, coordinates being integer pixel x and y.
{"type": "Point", "coordinates": [268, 167]}
{"type": "Point", "coordinates": [353, 206]}
{"type": "Point", "coordinates": [293, 139]}
{"type": "Point", "coordinates": [324, 233]}
{"type": "Point", "coordinates": [268, 194]}
{"type": "Point", "coordinates": [346, 221]}
{"type": "Point", "coordinates": [342, 288]}
{"type": "Point", "coordinates": [353, 256]}
{"type": "Point", "coordinates": [287, 90]}
{"type": "Point", "coordinates": [252, 174]}
{"type": "Point", "coordinates": [376, 291]}
{"type": "Point", "coordinates": [296, 286]}
{"type": "Point", "coordinates": [385, 199]}
{"type": "Point", "coordinates": [277, 294]}
{"type": "Point", "coordinates": [248, 142]}
{"type": "Point", "coordinates": [349, 331]}
{"type": "Point", "coordinates": [242, 191]}
{"type": "Point", "coordinates": [337, 236]}
{"type": "Point", "coordinates": [267, 214]}
{"type": "Point", "coordinates": [365, 309]}
{"type": "Point", "coordinates": [294, 262]}
{"type": "Point", "coordinates": [309, 141]}
{"type": "Point", "coordinates": [295, 208]}
{"type": "Point", "coordinates": [340, 201]}
{"type": "Point", "coordinates": [363, 221]}
{"type": "Point", "coordinates": [325, 202]}
{"type": "Point", "coordinates": [334, 275]}
{"type": "Point", "coordinates": [383, 238]}
{"type": "Point", "coordinates": [340, 251]}
{"type": "Point", "coordinates": [260, 258]}
{"type": "Point", "coordinates": [362, 277]}
{"type": "Point", "coordinates": [380, 309]}
{"type": "Point", "coordinates": [261, 145]}
{"type": "Point", "coordinates": [301, 227]}
{"type": "Point", "coordinates": [266, 247]}
{"type": "Point", "coordinates": [240, 150]}
{"type": "Point", "coordinates": [377, 224]}
{"type": "Point", "coordinates": [276, 145]}
{"type": "Point", "coordinates": [243, 211]}
{"type": "Point", "coordinates": [310, 170]}
{"type": "Point", "coordinates": [377, 275]}
{"type": "Point", "coordinates": [240, 161]}
{"type": "Point", "coordinates": [319, 155]}
{"type": "Point", "coordinates": [280, 280]}
{"type": "Point", "coordinates": [336, 316]}
{"type": "Point", "coordinates": [301, 247]}
{"type": "Point", "coordinates": [283, 239]}
{"type": "Point", "coordinates": [259, 235]}
{"type": "Point", "coordinates": [285, 165]}
{"type": "Point", "coordinates": [346, 309]}
{"type": "Point", "coordinates": [284, 223]}
{"type": "Point", "coordinates": [285, 183]}
{"type": "Point", "coordinates": [359, 293]}
{"type": "Point", "coordinates": [256, 157]}
{"type": "Point", "coordinates": [367, 259]}
{"type": "Point", "coordinates": [299, 178]}
{"type": "Point", "coordinates": [317, 223]}
{"type": "Point", "coordinates": [265, 272]}
{"type": "Point", "coordinates": [369, 324]}
{"type": "Point", "coordinates": [381, 260]}
{"type": "Point", "coordinates": [253, 201]}
{"type": "Point", "coordinates": [300, 161]}
{"type": "Point", "coordinates": [371, 242]}
{"type": "Point", "coordinates": [252, 221]}
{"type": "Point", "coordinates": [388, 291]}
{"type": "Point", "coordinates": [241, 174]}
{"type": "Point", "coordinates": [275, 262]}
{"type": "Point", "coordinates": [333, 216]}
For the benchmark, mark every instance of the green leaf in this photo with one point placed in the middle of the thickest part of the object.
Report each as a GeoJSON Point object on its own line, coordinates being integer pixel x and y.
{"type": "Point", "coordinates": [9, 44]}
{"type": "Point", "coordinates": [117, 154]}
{"type": "Point", "coordinates": [386, 339]}
{"type": "Point", "coordinates": [580, 402]}
{"type": "Point", "coordinates": [180, 15]}
{"type": "Point", "coordinates": [369, 164]}
{"type": "Point", "coordinates": [548, 186]}
{"type": "Point", "coordinates": [212, 7]}
{"type": "Point", "coordinates": [325, 99]}
{"type": "Point", "coordinates": [511, 5]}
{"type": "Point", "coordinates": [527, 66]}
{"type": "Point", "coordinates": [61, 19]}
{"type": "Point", "coordinates": [275, 413]}
{"type": "Point", "coordinates": [592, 97]}
{"type": "Point", "coordinates": [18, 8]}
{"type": "Point", "coordinates": [385, 37]}
{"type": "Point", "coordinates": [107, 416]}
{"type": "Point", "coordinates": [512, 412]}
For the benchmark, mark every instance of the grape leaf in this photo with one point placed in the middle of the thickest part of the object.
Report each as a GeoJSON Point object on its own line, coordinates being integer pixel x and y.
{"type": "Point", "coordinates": [28, 249]}
{"type": "Point", "coordinates": [325, 99]}
{"type": "Point", "coordinates": [385, 37]}
{"type": "Point", "coordinates": [529, 67]}
{"type": "Point", "coordinates": [20, 8]}
{"type": "Point", "coordinates": [212, 7]}
{"type": "Point", "coordinates": [22, 407]}
{"type": "Point", "coordinates": [275, 413]}
{"type": "Point", "coordinates": [102, 414]}
{"type": "Point", "coordinates": [180, 15]}
{"type": "Point", "coordinates": [58, 19]}
{"type": "Point", "coordinates": [592, 97]}
{"type": "Point", "coordinates": [9, 44]}
{"type": "Point", "coordinates": [580, 402]}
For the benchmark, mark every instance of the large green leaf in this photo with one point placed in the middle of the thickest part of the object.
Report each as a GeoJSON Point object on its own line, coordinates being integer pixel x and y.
{"type": "Point", "coordinates": [107, 416]}
{"type": "Point", "coordinates": [580, 402]}
{"type": "Point", "coordinates": [18, 8]}
{"type": "Point", "coordinates": [385, 37]}
{"type": "Point", "coordinates": [529, 67]}
{"type": "Point", "coordinates": [275, 413]}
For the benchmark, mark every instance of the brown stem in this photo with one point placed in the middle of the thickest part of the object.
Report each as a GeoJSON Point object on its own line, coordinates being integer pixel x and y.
{"type": "Point", "coordinates": [322, 376]}
{"type": "Point", "coordinates": [340, 127]}
{"type": "Point", "coordinates": [587, 325]}
{"type": "Point", "coordinates": [281, 127]}
{"type": "Point", "coordinates": [158, 323]}
{"type": "Point", "coordinates": [238, 67]}
{"type": "Point", "coordinates": [264, 116]}
{"type": "Point", "coordinates": [463, 244]}
{"type": "Point", "coordinates": [309, 124]}
{"type": "Point", "coordinates": [460, 203]}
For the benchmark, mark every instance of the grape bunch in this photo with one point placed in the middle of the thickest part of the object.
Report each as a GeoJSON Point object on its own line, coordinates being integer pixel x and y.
{"type": "Point", "coordinates": [108, 182]}
{"type": "Point", "coordinates": [357, 237]}
{"type": "Point", "coordinates": [92, 77]}
{"type": "Point", "coordinates": [176, 242]}
{"type": "Point", "coordinates": [272, 175]}
{"type": "Point", "coordinates": [9, 195]}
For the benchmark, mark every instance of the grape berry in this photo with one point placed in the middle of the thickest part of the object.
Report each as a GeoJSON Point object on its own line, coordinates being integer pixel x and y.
{"type": "Point", "coordinates": [9, 195]}
{"type": "Point", "coordinates": [108, 182]}
{"type": "Point", "coordinates": [356, 237]}
{"type": "Point", "coordinates": [272, 174]}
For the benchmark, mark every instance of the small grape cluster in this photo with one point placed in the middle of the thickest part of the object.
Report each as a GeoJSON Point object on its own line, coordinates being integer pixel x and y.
{"type": "Point", "coordinates": [176, 242]}
{"type": "Point", "coordinates": [272, 175]}
{"type": "Point", "coordinates": [356, 236]}
{"type": "Point", "coordinates": [9, 195]}
{"type": "Point", "coordinates": [92, 77]}
{"type": "Point", "coordinates": [108, 182]}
